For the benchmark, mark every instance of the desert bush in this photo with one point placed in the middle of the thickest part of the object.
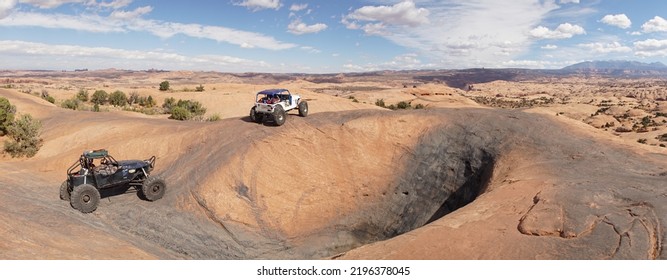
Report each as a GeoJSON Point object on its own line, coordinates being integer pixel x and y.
{"type": "Point", "coordinates": [192, 106]}
{"type": "Point", "coordinates": [118, 98]}
{"type": "Point", "coordinates": [150, 102]}
{"type": "Point", "coordinates": [134, 98]}
{"type": "Point", "coordinates": [419, 106]}
{"type": "Point", "coordinates": [164, 86]}
{"type": "Point", "coordinates": [96, 107]}
{"type": "Point", "coordinates": [72, 104]}
{"type": "Point", "coordinates": [24, 137]}
{"type": "Point", "coordinates": [200, 88]}
{"type": "Point", "coordinates": [82, 95]}
{"type": "Point", "coordinates": [380, 102]}
{"type": "Point", "coordinates": [642, 141]}
{"type": "Point", "coordinates": [403, 105]}
{"type": "Point", "coordinates": [7, 111]}
{"type": "Point", "coordinates": [168, 104]}
{"type": "Point", "coordinates": [99, 97]}
{"type": "Point", "coordinates": [180, 113]}
{"type": "Point", "coordinates": [214, 118]}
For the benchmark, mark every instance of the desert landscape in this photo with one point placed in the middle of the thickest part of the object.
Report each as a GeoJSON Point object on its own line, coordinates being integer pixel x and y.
{"type": "Point", "coordinates": [430, 164]}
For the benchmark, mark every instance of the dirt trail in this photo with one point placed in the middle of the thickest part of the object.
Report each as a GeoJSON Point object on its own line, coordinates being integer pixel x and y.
{"type": "Point", "coordinates": [514, 185]}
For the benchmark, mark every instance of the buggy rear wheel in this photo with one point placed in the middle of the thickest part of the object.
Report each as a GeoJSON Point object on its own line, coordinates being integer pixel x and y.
{"type": "Point", "coordinates": [279, 115]}
{"type": "Point", "coordinates": [85, 198]}
{"type": "Point", "coordinates": [303, 108]}
{"type": "Point", "coordinates": [153, 188]}
{"type": "Point", "coordinates": [64, 191]}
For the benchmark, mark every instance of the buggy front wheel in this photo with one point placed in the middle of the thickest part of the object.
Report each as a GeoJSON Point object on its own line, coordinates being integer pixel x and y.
{"type": "Point", "coordinates": [85, 198]}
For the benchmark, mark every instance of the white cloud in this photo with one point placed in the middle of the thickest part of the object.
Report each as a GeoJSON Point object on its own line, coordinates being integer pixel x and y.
{"type": "Point", "coordinates": [620, 21]}
{"type": "Point", "coordinates": [310, 49]}
{"type": "Point", "coordinates": [89, 23]}
{"type": "Point", "coordinates": [50, 4]}
{"type": "Point", "coordinates": [74, 56]}
{"type": "Point", "coordinates": [563, 31]}
{"type": "Point", "coordinates": [651, 48]}
{"type": "Point", "coordinates": [6, 7]}
{"type": "Point", "coordinates": [298, 7]}
{"type": "Point", "coordinates": [256, 5]}
{"type": "Point", "coordinates": [614, 47]}
{"type": "Point", "coordinates": [136, 13]}
{"type": "Point", "coordinates": [121, 21]}
{"type": "Point", "coordinates": [536, 64]}
{"type": "Point", "coordinates": [569, 1]}
{"type": "Point", "coordinates": [403, 13]}
{"type": "Point", "coordinates": [549, 47]}
{"type": "Point", "coordinates": [299, 28]}
{"type": "Point", "coordinates": [400, 62]}
{"type": "Point", "coordinates": [657, 24]}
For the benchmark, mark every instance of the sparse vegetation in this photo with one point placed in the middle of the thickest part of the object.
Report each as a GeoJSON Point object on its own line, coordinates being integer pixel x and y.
{"type": "Point", "coordinates": [164, 86]}
{"type": "Point", "coordinates": [380, 102]}
{"type": "Point", "coordinates": [24, 137]}
{"type": "Point", "coordinates": [118, 98]}
{"type": "Point", "coordinates": [200, 88]}
{"type": "Point", "coordinates": [72, 104]}
{"type": "Point", "coordinates": [214, 118]}
{"type": "Point", "coordinates": [7, 111]}
{"type": "Point", "coordinates": [45, 95]}
{"type": "Point", "coordinates": [99, 97]}
{"type": "Point", "coordinates": [82, 95]}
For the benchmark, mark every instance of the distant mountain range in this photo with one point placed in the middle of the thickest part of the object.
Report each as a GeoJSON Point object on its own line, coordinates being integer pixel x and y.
{"type": "Point", "coordinates": [615, 66]}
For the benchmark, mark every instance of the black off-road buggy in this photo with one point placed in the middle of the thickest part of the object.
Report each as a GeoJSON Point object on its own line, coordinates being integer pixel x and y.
{"type": "Point", "coordinates": [98, 172]}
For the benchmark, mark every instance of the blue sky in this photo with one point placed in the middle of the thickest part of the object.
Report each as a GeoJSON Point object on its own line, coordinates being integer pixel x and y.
{"type": "Point", "coordinates": [327, 36]}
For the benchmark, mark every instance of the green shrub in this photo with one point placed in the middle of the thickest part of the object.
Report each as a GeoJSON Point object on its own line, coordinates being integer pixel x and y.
{"type": "Point", "coordinates": [164, 86]}
{"type": "Point", "coordinates": [50, 99]}
{"type": "Point", "coordinates": [180, 113]}
{"type": "Point", "coordinates": [7, 111]}
{"type": "Point", "coordinates": [82, 95]}
{"type": "Point", "coordinates": [96, 107]}
{"type": "Point", "coordinates": [150, 102]}
{"type": "Point", "coordinates": [200, 88]}
{"type": "Point", "coordinates": [168, 104]}
{"type": "Point", "coordinates": [24, 137]}
{"type": "Point", "coordinates": [72, 104]}
{"type": "Point", "coordinates": [99, 97]}
{"type": "Point", "coordinates": [134, 98]}
{"type": "Point", "coordinates": [403, 105]}
{"type": "Point", "coordinates": [192, 106]}
{"type": "Point", "coordinates": [380, 102]}
{"type": "Point", "coordinates": [118, 98]}
{"type": "Point", "coordinates": [419, 106]}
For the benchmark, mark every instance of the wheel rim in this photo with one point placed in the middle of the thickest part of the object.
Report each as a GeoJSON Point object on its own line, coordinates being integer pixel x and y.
{"type": "Point", "coordinates": [85, 198]}
{"type": "Point", "coordinates": [155, 189]}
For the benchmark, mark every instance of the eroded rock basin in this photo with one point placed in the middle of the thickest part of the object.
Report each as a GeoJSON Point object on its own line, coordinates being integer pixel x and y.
{"type": "Point", "coordinates": [424, 184]}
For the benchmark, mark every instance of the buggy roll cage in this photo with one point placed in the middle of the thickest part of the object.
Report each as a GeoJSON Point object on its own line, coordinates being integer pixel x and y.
{"type": "Point", "coordinates": [87, 158]}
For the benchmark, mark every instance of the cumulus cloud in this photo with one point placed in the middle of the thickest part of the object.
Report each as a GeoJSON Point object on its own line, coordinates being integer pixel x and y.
{"type": "Point", "coordinates": [651, 48]}
{"type": "Point", "coordinates": [299, 28]}
{"type": "Point", "coordinates": [403, 13]}
{"type": "Point", "coordinates": [549, 47]}
{"type": "Point", "coordinates": [613, 47]}
{"type": "Point", "coordinates": [657, 24]}
{"type": "Point", "coordinates": [569, 1]}
{"type": "Point", "coordinates": [563, 31]}
{"type": "Point", "coordinates": [89, 23]}
{"type": "Point", "coordinates": [620, 21]}
{"type": "Point", "coordinates": [257, 5]}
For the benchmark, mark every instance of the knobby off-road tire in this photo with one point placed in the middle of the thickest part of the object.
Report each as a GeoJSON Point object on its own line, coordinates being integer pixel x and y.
{"type": "Point", "coordinates": [153, 188]}
{"type": "Point", "coordinates": [85, 198]}
{"type": "Point", "coordinates": [64, 192]}
{"type": "Point", "coordinates": [279, 115]}
{"type": "Point", "coordinates": [255, 117]}
{"type": "Point", "coordinates": [303, 108]}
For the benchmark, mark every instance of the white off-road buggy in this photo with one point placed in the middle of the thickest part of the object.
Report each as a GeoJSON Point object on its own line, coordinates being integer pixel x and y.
{"type": "Point", "coordinates": [274, 104]}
